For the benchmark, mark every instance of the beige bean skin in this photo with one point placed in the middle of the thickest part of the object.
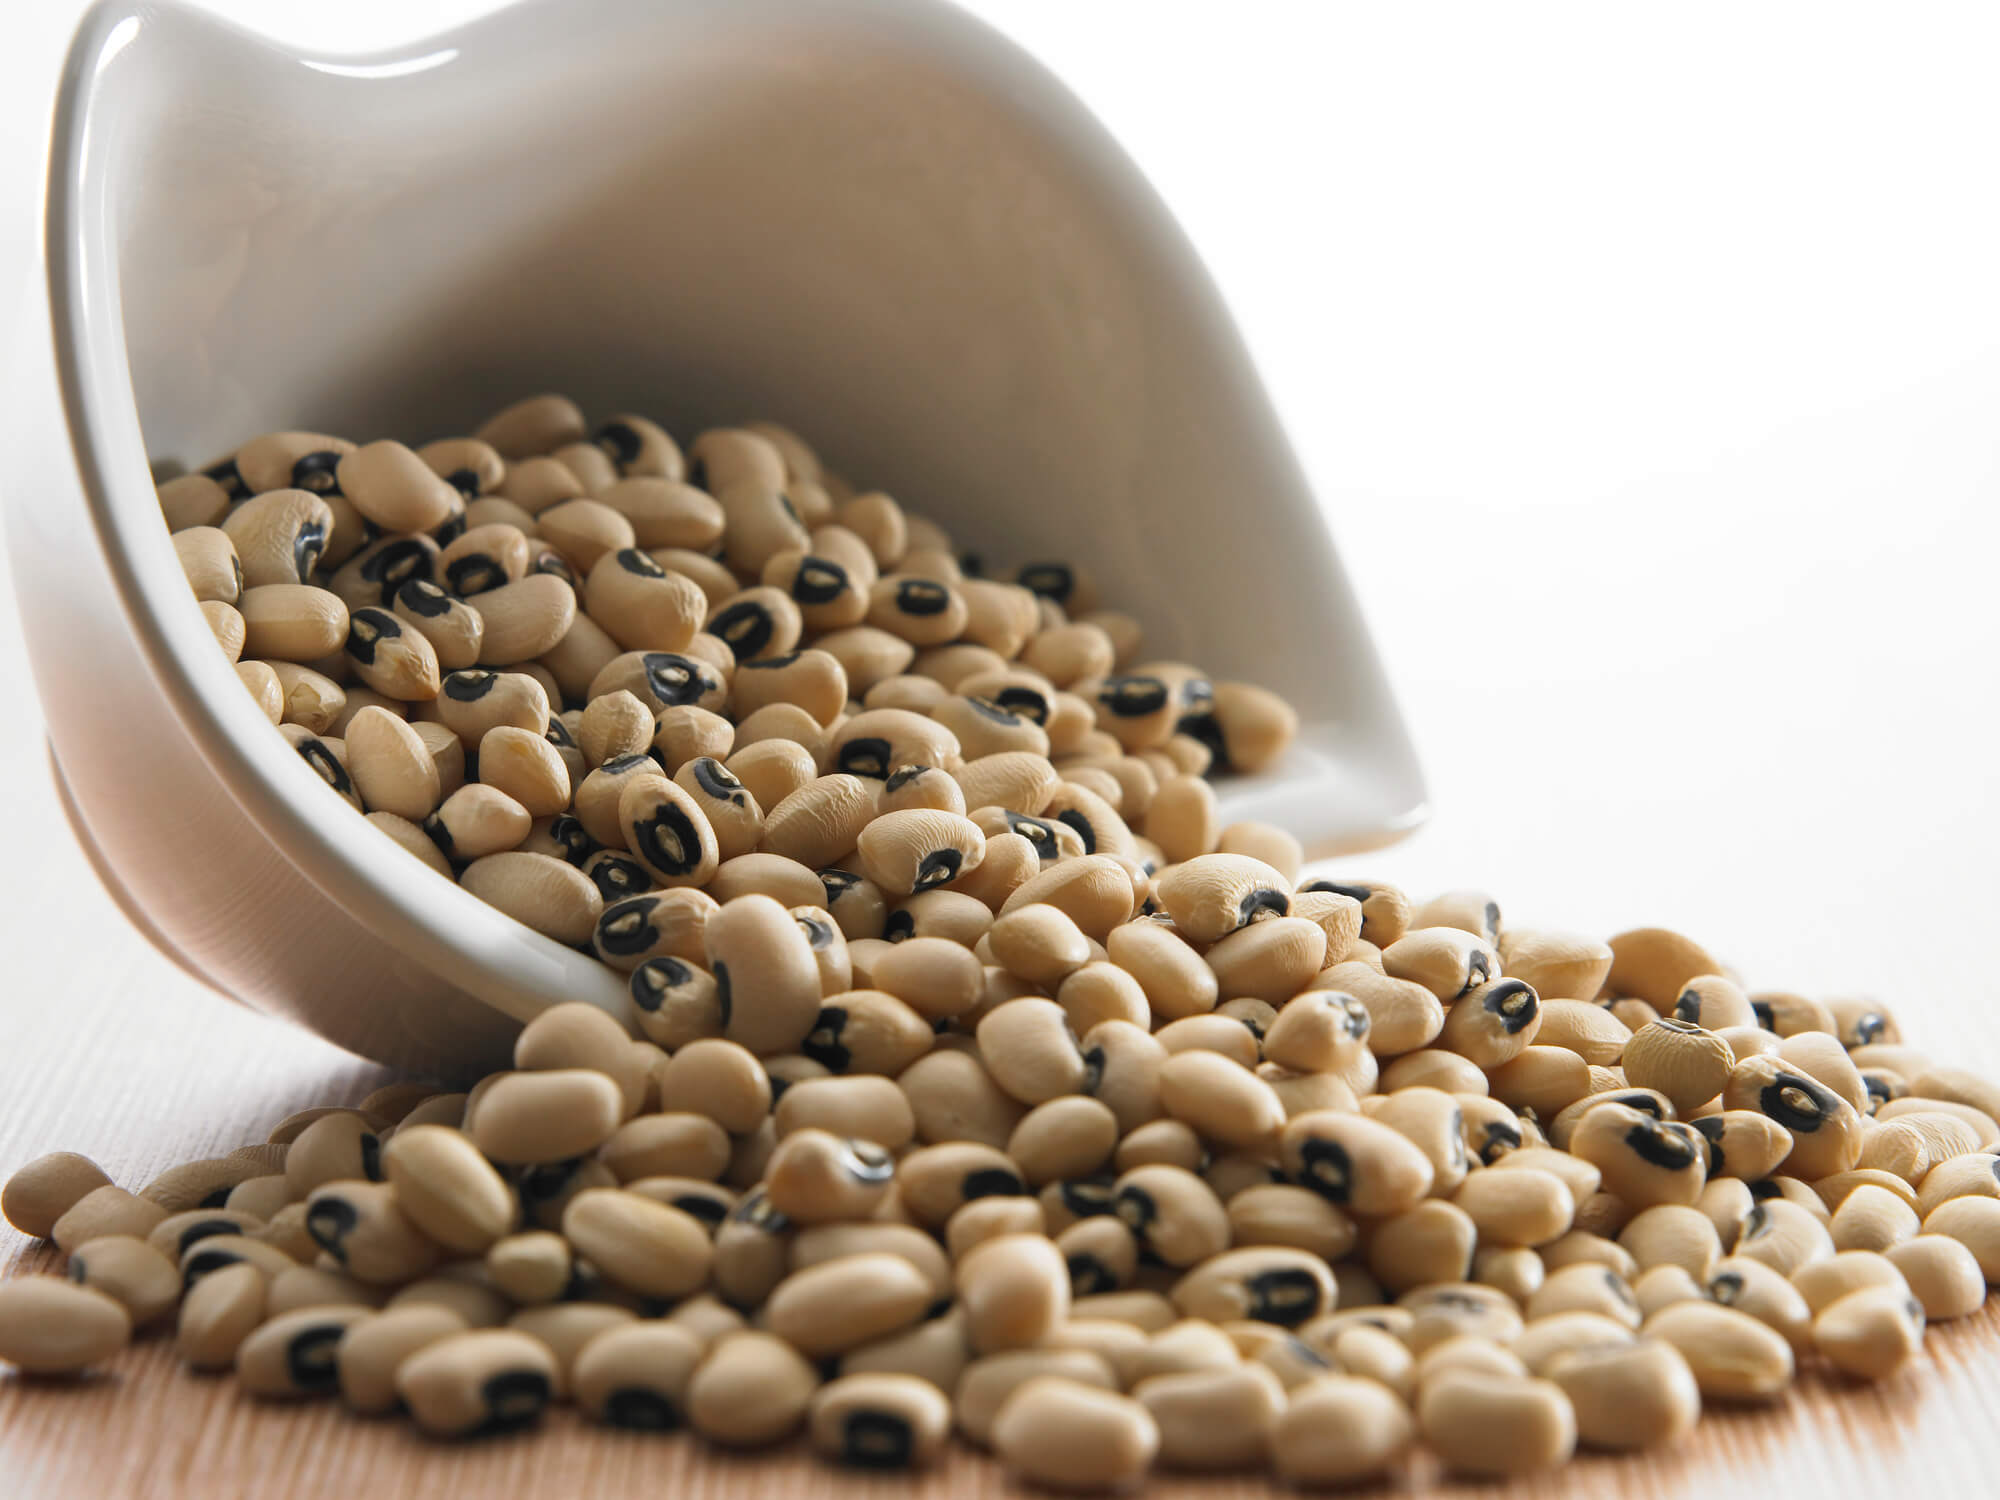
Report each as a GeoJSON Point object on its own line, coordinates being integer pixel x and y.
{"type": "Point", "coordinates": [1733, 1356]}
{"type": "Point", "coordinates": [751, 1390]}
{"type": "Point", "coordinates": [293, 1354]}
{"type": "Point", "coordinates": [1355, 1163]}
{"type": "Point", "coordinates": [1943, 1275]}
{"type": "Point", "coordinates": [554, 898]}
{"type": "Point", "coordinates": [370, 1350]}
{"type": "Point", "coordinates": [1174, 1214]}
{"type": "Point", "coordinates": [880, 1421]}
{"type": "Point", "coordinates": [218, 1313]}
{"type": "Point", "coordinates": [839, 1305]}
{"type": "Point", "coordinates": [42, 1191]}
{"type": "Point", "coordinates": [1480, 1426]}
{"type": "Point", "coordinates": [1064, 1434]}
{"type": "Point", "coordinates": [103, 1211]}
{"type": "Point", "coordinates": [446, 1187]}
{"type": "Point", "coordinates": [486, 1378]}
{"type": "Point", "coordinates": [1871, 1334]}
{"type": "Point", "coordinates": [530, 1118]}
{"type": "Point", "coordinates": [54, 1327]}
{"type": "Point", "coordinates": [1341, 1429]}
{"type": "Point", "coordinates": [1629, 1398]}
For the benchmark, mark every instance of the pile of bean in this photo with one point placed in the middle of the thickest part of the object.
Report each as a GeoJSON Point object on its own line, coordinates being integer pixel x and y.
{"type": "Point", "coordinates": [570, 669]}
{"type": "Point", "coordinates": [986, 1087]}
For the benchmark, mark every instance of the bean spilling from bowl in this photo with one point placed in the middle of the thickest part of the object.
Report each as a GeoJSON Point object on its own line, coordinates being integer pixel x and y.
{"type": "Point", "coordinates": [987, 1087]}
{"type": "Point", "coordinates": [1350, 1180]}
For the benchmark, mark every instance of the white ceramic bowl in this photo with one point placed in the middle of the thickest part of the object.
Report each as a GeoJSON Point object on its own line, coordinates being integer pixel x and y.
{"type": "Point", "coordinates": [875, 220]}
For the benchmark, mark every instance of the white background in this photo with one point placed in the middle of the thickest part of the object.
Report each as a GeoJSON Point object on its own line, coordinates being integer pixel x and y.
{"type": "Point", "coordinates": [1648, 361]}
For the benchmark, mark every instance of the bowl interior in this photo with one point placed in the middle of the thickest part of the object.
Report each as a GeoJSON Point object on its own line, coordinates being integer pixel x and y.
{"type": "Point", "coordinates": [877, 222]}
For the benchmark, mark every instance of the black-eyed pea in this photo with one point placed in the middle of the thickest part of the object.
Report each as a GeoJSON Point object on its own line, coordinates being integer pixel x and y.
{"type": "Point", "coordinates": [1101, 1253]}
{"type": "Point", "coordinates": [1972, 1220]}
{"type": "Point", "coordinates": [907, 853]}
{"type": "Point", "coordinates": [1431, 1242]}
{"type": "Point", "coordinates": [677, 1002]}
{"type": "Point", "coordinates": [1214, 1419]}
{"type": "Point", "coordinates": [1281, 1214]}
{"type": "Point", "coordinates": [1585, 1028]}
{"type": "Point", "coordinates": [1175, 979]}
{"type": "Point", "coordinates": [1447, 961]}
{"type": "Point", "coordinates": [1356, 1163]}
{"type": "Point", "coordinates": [1744, 1144]}
{"type": "Point", "coordinates": [1269, 960]}
{"type": "Point", "coordinates": [1100, 991]}
{"type": "Point", "coordinates": [1039, 943]}
{"type": "Point", "coordinates": [990, 1218]}
{"type": "Point", "coordinates": [857, 905]}
{"type": "Point", "coordinates": [535, 424]}
{"type": "Point", "coordinates": [291, 622]}
{"type": "Point", "coordinates": [656, 924]}
{"type": "Point", "coordinates": [360, 1225]}
{"type": "Point", "coordinates": [1010, 862]}
{"type": "Point", "coordinates": [1220, 1099]}
{"type": "Point", "coordinates": [40, 1192]}
{"type": "Point", "coordinates": [1496, 1428]}
{"type": "Point", "coordinates": [1942, 1274]}
{"type": "Point", "coordinates": [1433, 1068]}
{"type": "Point", "coordinates": [1872, 1218]}
{"type": "Point", "coordinates": [536, 1118]}
{"type": "Point", "coordinates": [127, 1269]}
{"type": "Point", "coordinates": [225, 623]}
{"type": "Point", "coordinates": [473, 703]}
{"type": "Point", "coordinates": [985, 728]}
{"type": "Point", "coordinates": [215, 573]}
{"type": "Point", "coordinates": [763, 624]}
{"type": "Point", "coordinates": [337, 1145]}
{"type": "Point", "coordinates": [1127, 1062]}
{"type": "Point", "coordinates": [1014, 1290]}
{"type": "Point", "coordinates": [1211, 896]}
{"type": "Point", "coordinates": [1095, 891]}
{"type": "Point", "coordinates": [1173, 1214]}
{"type": "Point", "coordinates": [866, 1107]}
{"type": "Point", "coordinates": [447, 1189]}
{"type": "Point", "coordinates": [530, 1268]}
{"type": "Point", "coordinates": [664, 680]}
{"type": "Point", "coordinates": [1491, 1128]}
{"type": "Point", "coordinates": [1672, 1234]}
{"type": "Point", "coordinates": [1493, 1023]}
{"type": "Point", "coordinates": [292, 1355]}
{"type": "Point", "coordinates": [553, 898]}
{"type": "Point", "coordinates": [1068, 1136]}
{"type": "Point", "coordinates": [525, 766]}
{"type": "Point", "coordinates": [1643, 1160]}
{"type": "Point", "coordinates": [482, 1380]}
{"type": "Point", "coordinates": [1402, 1017]}
{"type": "Point", "coordinates": [1826, 1130]}
{"type": "Point", "coordinates": [1783, 1235]}
{"type": "Point", "coordinates": [1546, 1342]}
{"type": "Point", "coordinates": [1341, 1429]}
{"type": "Point", "coordinates": [820, 820]}
{"type": "Point", "coordinates": [471, 467]}
{"type": "Point", "coordinates": [866, 1031]}
{"type": "Point", "coordinates": [816, 1177]}
{"type": "Point", "coordinates": [1529, 1208]}
{"type": "Point", "coordinates": [1065, 1434]}
{"type": "Point", "coordinates": [1976, 1174]}
{"type": "Point", "coordinates": [1268, 1284]}
{"type": "Point", "coordinates": [1031, 1051]}
{"type": "Point", "coordinates": [1871, 1334]}
{"type": "Point", "coordinates": [837, 1305]}
{"type": "Point", "coordinates": [1726, 1201]}
{"type": "Point", "coordinates": [880, 1421]}
{"type": "Point", "coordinates": [371, 1349]}
{"type": "Point", "coordinates": [1022, 782]}
{"type": "Point", "coordinates": [200, 499]}
{"type": "Point", "coordinates": [1650, 1102]}
{"type": "Point", "coordinates": [1712, 1002]}
{"type": "Point", "coordinates": [644, 1246]}
{"type": "Point", "coordinates": [1758, 1290]}
{"type": "Point", "coordinates": [538, 482]}
{"type": "Point", "coordinates": [677, 1143]}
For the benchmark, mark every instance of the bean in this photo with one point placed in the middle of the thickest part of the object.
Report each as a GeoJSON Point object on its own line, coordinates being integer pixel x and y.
{"type": "Point", "coordinates": [1029, 1049]}
{"type": "Point", "coordinates": [1173, 1213]}
{"type": "Point", "coordinates": [1872, 1218]}
{"type": "Point", "coordinates": [1340, 1429]}
{"type": "Point", "coordinates": [217, 1314]}
{"type": "Point", "coordinates": [1733, 1356]}
{"type": "Point", "coordinates": [751, 1390]}
{"type": "Point", "coordinates": [53, 1327]}
{"type": "Point", "coordinates": [360, 1225]}
{"type": "Point", "coordinates": [823, 1243]}
{"type": "Point", "coordinates": [291, 622]}
{"type": "Point", "coordinates": [1066, 1136]}
{"type": "Point", "coordinates": [1065, 1434]}
{"type": "Point", "coordinates": [41, 1192]}
{"type": "Point", "coordinates": [1632, 1397]}
{"type": "Point", "coordinates": [104, 1211]}
{"type": "Point", "coordinates": [1355, 1162]}
{"type": "Point", "coordinates": [935, 1181]}
{"type": "Point", "coordinates": [1496, 1428]}
{"type": "Point", "coordinates": [866, 1031]}
{"type": "Point", "coordinates": [1871, 1334]}
{"type": "Point", "coordinates": [675, 1144]}
{"type": "Point", "coordinates": [1221, 1101]}
{"type": "Point", "coordinates": [1014, 1290]}
{"type": "Point", "coordinates": [866, 1107]}
{"type": "Point", "coordinates": [880, 1421]}
{"type": "Point", "coordinates": [531, 1267]}
{"type": "Point", "coordinates": [816, 1177]}
{"type": "Point", "coordinates": [1942, 1274]}
{"type": "Point", "coordinates": [753, 942]}
{"type": "Point", "coordinates": [1039, 943]}
{"type": "Point", "coordinates": [1654, 965]}
{"type": "Point", "coordinates": [292, 1355]}
{"type": "Point", "coordinates": [1644, 1160]}
{"type": "Point", "coordinates": [488, 1379]}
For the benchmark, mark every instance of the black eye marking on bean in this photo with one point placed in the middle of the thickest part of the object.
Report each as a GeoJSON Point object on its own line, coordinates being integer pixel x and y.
{"type": "Point", "coordinates": [632, 560]}
{"type": "Point", "coordinates": [676, 680]}
{"type": "Point", "coordinates": [557, 734]}
{"type": "Point", "coordinates": [818, 931]}
{"type": "Point", "coordinates": [217, 1199]}
{"type": "Point", "coordinates": [837, 883]}
{"type": "Point", "coordinates": [474, 573]}
{"type": "Point", "coordinates": [616, 877]}
{"type": "Point", "coordinates": [619, 765]}
{"type": "Point", "coordinates": [1133, 1205]}
{"type": "Point", "coordinates": [309, 1357]}
{"type": "Point", "coordinates": [1659, 1147]}
{"type": "Point", "coordinates": [900, 925]}
{"type": "Point", "coordinates": [514, 1398]}
{"type": "Point", "coordinates": [1513, 1001]}
{"type": "Point", "coordinates": [450, 531]}
{"type": "Point", "coordinates": [822, 1043]}
{"type": "Point", "coordinates": [370, 1146]}
{"type": "Point", "coordinates": [316, 472]}
{"type": "Point", "coordinates": [723, 995]}
{"type": "Point", "coordinates": [1037, 831]}
{"type": "Point", "coordinates": [876, 1440]}
{"type": "Point", "coordinates": [1764, 1015]}
{"type": "Point", "coordinates": [1492, 920]}
{"type": "Point", "coordinates": [636, 1407]}
{"type": "Point", "coordinates": [315, 753]}
{"type": "Point", "coordinates": [1479, 969]}
{"type": "Point", "coordinates": [921, 597]}
{"type": "Point", "coordinates": [1265, 899]}
{"type": "Point", "coordinates": [995, 713]}
{"type": "Point", "coordinates": [755, 1209]}
{"type": "Point", "coordinates": [194, 1234]}
{"type": "Point", "coordinates": [709, 1211]}
{"type": "Point", "coordinates": [867, 756]}
{"type": "Point", "coordinates": [465, 481]}
{"type": "Point", "coordinates": [1133, 697]}
{"type": "Point", "coordinates": [1710, 1127]}
{"type": "Point", "coordinates": [865, 1161]}
{"type": "Point", "coordinates": [1878, 1090]}
{"type": "Point", "coordinates": [790, 509]}
{"type": "Point", "coordinates": [367, 629]}
{"type": "Point", "coordinates": [422, 597]}
{"type": "Point", "coordinates": [1796, 1102]}
{"type": "Point", "coordinates": [1687, 1007]}
{"type": "Point", "coordinates": [621, 444]}
{"type": "Point", "coordinates": [1869, 1028]}
{"type": "Point", "coordinates": [1287, 1297]}
{"type": "Point", "coordinates": [395, 563]}
{"type": "Point", "coordinates": [1762, 1190]}
{"type": "Point", "coordinates": [937, 868]}
{"type": "Point", "coordinates": [1327, 1169]}
{"type": "Point", "coordinates": [555, 564]}
{"type": "Point", "coordinates": [1024, 703]}
{"type": "Point", "coordinates": [1088, 1275]}
{"type": "Point", "coordinates": [697, 473]}
{"type": "Point", "coordinates": [1082, 826]}
{"type": "Point", "coordinates": [229, 477]}
{"type": "Point", "coordinates": [307, 544]}
{"type": "Point", "coordinates": [719, 782]}
{"type": "Point", "coordinates": [666, 839]}
{"type": "Point", "coordinates": [330, 1221]}
{"type": "Point", "coordinates": [904, 775]}
{"type": "Point", "coordinates": [1206, 730]}
{"type": "Point", "coordinates": [573, 838]}
{"type": "Point", "coordinates": [818, 581]}
{"type": "Point", "coordinates": [656, 977]}
{"type": "Point", "coordinates": [548, 1180]}
{"type": "Point", "coordinates": [1050, 580]}
{"type": "Point", "coordinates": [1500, 1139]}
{"type": "Point", "coordinates": [992, 1182]}
{"type": "Point", "coordinates": [205, 1261]}
{"type": "Point", "coordinates": [771, 663]}
{"type": "Point", "coordinates": [1354, 1018]}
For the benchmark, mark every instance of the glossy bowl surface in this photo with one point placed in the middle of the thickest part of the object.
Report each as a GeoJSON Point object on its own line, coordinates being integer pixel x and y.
{"type": "Point", "coordinates": [875, 220]}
